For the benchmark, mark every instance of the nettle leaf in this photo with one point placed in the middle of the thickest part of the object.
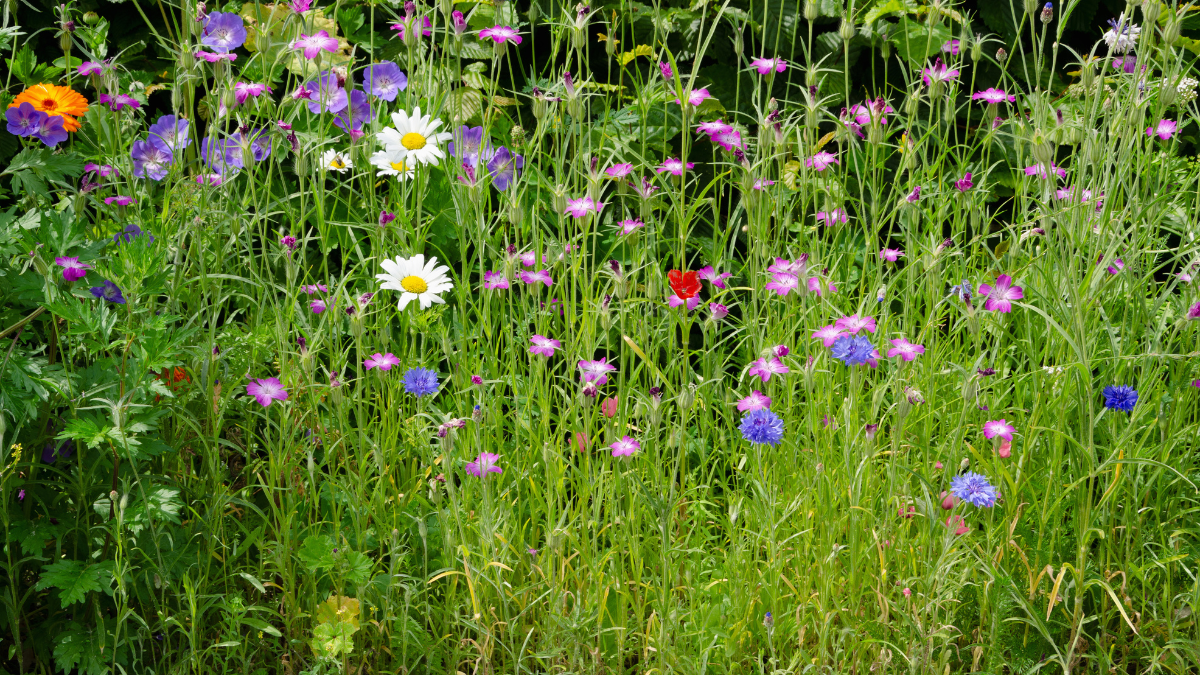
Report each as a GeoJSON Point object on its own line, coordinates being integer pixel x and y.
{"type": "Point", "coordinates": [73, 579]}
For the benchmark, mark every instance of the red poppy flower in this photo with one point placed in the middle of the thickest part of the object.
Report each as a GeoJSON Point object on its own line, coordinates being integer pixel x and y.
{"type": "Point", "coordinates": [685, 284]}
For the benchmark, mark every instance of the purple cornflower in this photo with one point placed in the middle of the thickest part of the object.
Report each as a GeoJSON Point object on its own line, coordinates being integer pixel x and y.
{"type": "Point", "coordinates": [975, 489]}
{"type": "Point", "coordinates": [1165, 129]}
{"type": "Point", "coordinates": [381, 361]}
{"type": "Point", "coordinates": [938, 73]}
{"type": "Point", "coordinates": [762, 427]}
{"type": "Point", "coordinates": [88, 68]}
{"type": "Point", "coordinates": [265, 391]}
{"type": "Point", "coordinates": [914, 196]}
{"type": "Point", "coordinates": [214, 58]}
{"type": "Point", "coordinates": [629, 226]}
{"type": "Point", "coordinates": [1193, 312]}
{"type": "Point", "coordinates": [718, 310]}
{"type": "Point", "coordinates": [626, 447]}
{"type": "Point", "coordinates": [119, 200]}
{"type": "Point", "coordinates": [951, 47]}
{"type": "Point", "coordinates": [595, 371]}
{"type": "Point", "coordinates": [833, 217]}
{"type": "Point", "coordinates": [1039, 170]}
{"type": "Point", "coordinates": [420, 382]}
{"type": "Point", "coordinates": [764, 368]}
{"type": "Point", "coordinates": [755, 401]}
{"type": "Point", "coordinates": [673, 300]}
{"type": "Point", "coordinates": [314, 288]}
{"type": "Point", "coordinates": [580, 208]}
{"type": "Point", "coordinates": [289, 242]}
{"type": "Point", "coordinates": [665, 68]}
{"type": "Point", "coordinates": [618, 171]}
{"type": "Point", "coordinates": [223, 32]}
{"type": "Point", "coordinates": [151, 159]}
{"type": "Point", "coordinates": [905, 350]}
{"type": "Point", "coordinates": [108, 291]}
{"type": "Point", "coordinates": [852, 350]}
{"type": "Point", "coordinates": [999, 297]}
{"type": "Point", "coordinates": [1000, 427]}
{"type": "Point", "coordinates": [385, 80]}
{"type": "Point", "coordinates": [485, 463]}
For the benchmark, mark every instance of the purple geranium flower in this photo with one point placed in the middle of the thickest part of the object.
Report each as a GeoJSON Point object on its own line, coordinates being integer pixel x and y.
{"type": "Point", "coordinates": [505, 166]}
{"type": "Point", "coordinates": [50, 130]}
{"type": "Point", "coordinates": [223, 32]}
{"type": "Point", "coordinates": [385, 80]}
{"type": "Point", "coordinates": [151, 159]}
{"type": "Point", "coordinates": [355, 115]}
{"type": "Point", "coordinates": [108, 291]}
{"type": "Point", "coordinates": [325, 94]}
{"type": "Point", "coordinates": [24, 120]}
{"type": "Point", "coordinates": [172, 132]}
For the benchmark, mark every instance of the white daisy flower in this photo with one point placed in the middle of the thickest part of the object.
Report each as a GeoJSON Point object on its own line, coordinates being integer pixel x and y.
{"type": "Point", "coordinates": [415, 279]}
{"type": "Point", "coordinates": [417, 135]}
{"type": "Point", "coordinates": [391, 162]}
{"type": "Point", "coordinates": [333, 160]}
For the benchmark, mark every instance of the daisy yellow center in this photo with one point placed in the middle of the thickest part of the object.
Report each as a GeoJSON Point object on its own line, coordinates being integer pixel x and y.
{"type": "Point", "coordinates": [337, 163]}
{"type": "Point", "coordinates": [414, 284]}
{"type": "Point", "coordinates": [399, 166]}
{"type": "Point", "coordinates": [413, 141]}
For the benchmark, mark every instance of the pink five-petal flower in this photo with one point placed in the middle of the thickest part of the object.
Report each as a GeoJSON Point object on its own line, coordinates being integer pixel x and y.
{"type": "Point", "coordinates": [265, 391]}
{"type": "Point", "coordinates": [485, 463]}
{"type": "Point", "coordinates": [501, 34]}
{"type": "Point", "coordinates": [833, 217]}
{"type": "Point", "coordinates": [755, 401]}
{"type": "Point", "coordinates": [891, 254]}
{"type": "Point", "coordinates": [828, 334]}
{"type": "Point", "coordinates": [959, 525]}
{"type": "Point", "coordinates": [1000, 296]}
{"type": "Point", "coordinates": [1165, 129]}
{"type": "Point", "coordinates": [73, 270]}
{"type": "Point", "coordinates": [822, 160]}
{"type": "Point", "coordinates": [542, 276]}
{"type": "Point", "coordinates": [710, 275]}
{"type": "Point", "coordinates": [674, 300]}
{"type": "Point", "coordinates": [783, 283]}
{"type": "Point", "coordinates": [767, 66]}
{"type": "Point", "coordinates": [618, 171]}
{"type": "Point", "coordinates": [629, 226]}
{"type": "Point", "coordinates": [1193, 313]}
{"type": "Point", "coordinates": [543, 346]}
{"type": "Point", "coordinates": [697, 96]}
{"type": "Point", "coordinates": [244, 90]}
{"type": "Point", "coordinates": [1039, 170]}
{"type": "Point", "coordinates": [625, 447]}
{"type": "Point", "coordinates": [312, 45]}
{"type": "Point", "coordinates": [993, 95]}
{"type": "Point", "coordinates": [673, 166]}
{"type": "Point", "coordinates": [905, 349]}
{"type": "Point", "coordinates": [495, 280]}
{"type": "Point", "coordinates": [382, 361]}
{"type": "Point", "coordinates": [580, 208]}
{"type": "Point", "coordinates": [854, 323]}
{"type": "Point", "coordinates": [814, 286]}
{"type": "Point", "coordinates": [785, 266]}
{"type": "Point", "coordinates": [1000, 427]}
{"type": "Point", "coordinates": [595, 371]}
{"type": "Point", "coordinates": [764, 369]}
{"type": "Point", "coordinates": [713, 128]}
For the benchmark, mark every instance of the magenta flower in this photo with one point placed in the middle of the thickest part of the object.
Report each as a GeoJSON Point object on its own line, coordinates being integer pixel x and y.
{"type": "Point", "coordinates": [317, 306]}
{"type": "Point", "coordinates": [119, 200]}
{"type": "Point", "coordinates": [314, 288]}
{"type": "Point", "coordinates": [528, 259]}
{"type": "Point", "coordinates": [312, 45]}
{"type": "Point", "coordinates": [764, 369]}
{"type": "Point", "coordinates": [1039, 170]}
{"type": "Point", "coordinates": [854, 323]}
{"type": "Point", "coordinates": [501, 34]}
{"type": "Point", "coordinates": [785, 266]}
{"type": "Point", "coordinates": [713, 128]}
{"type": "Point", "coordinates": [1165, 129]}
{"type": "Point", "coordinates": [382, 361]}
{"type": "Point", "coordinates": [833, 217]}
{"type": "Point", "coordinates": [213, 58]}
{"type": "Point", "coordinates": [891, 254]}
{"type": "Point", "coordinates": [1116, 267]}
{"type": "Point", "coordinates": [629, 226]}
{"type": "Point", "coordinates": [265, 391]}
{"type": "Point", "coordinates": [300, 6]}
{"type": "Point", "coordinates": [1000, 296]}
{"type": "Point", "coordinates": [783, 283]}
{"type": "Point", "coordinates": [625, 447]}
{"type": "Point", "coordinates": [73, 270]}
{"type": "Point", "coordinates": [963, 184]}
{"type": "Point", "coordinates": [814, 286]}
{"type": "Point", "coordinates": [728, 140]}
{"type": "Point", "coordinates": [674, 300]}
{"type": "Point", "coordinates": [595, 371]}
{"type": "Point", "coordinates": [618, 171]}
{"type": "Point", "coordinates": [993, 95]}
{"type": "Point", "coordinates": [914, 196]}
{"type": "Point", "coordinates": [674, 166]}
{"type": "Point", "coordinates": [710, 275]}
{"type": "Point", "coordinates": [755, 401]}
{"type": "Point", "coordinates": [543, 346]}
{"type": "Point", "coordinates": [828, 334]}
{"type": "Point", "coordinates": [485, 462]}
{"type": "Point", "coordinates": [91, 68]}
{"type": "Point", "coordinates": [939, 72]}
{"type": "Point", "coordinates": [821, 161]}
{"type": "Point", "coordinates": [243, 90]}
{"type": "Point", "coordinates": [1000, 428]}
{"type": "Point", "coordinates": [767, 66]}
{"type": "Point", "coordinates": [905, 349]}
{"type": "Point", "coordinates": [718, 310]}
{"type": "Point", "coordinates": [696, 97]}
{"type": "Point", "coordinates": [762, 184]}
{"type": "Point", "coordinates": [494, 280]}
{"type": "Point", "coordinates": [950, 47]}
{"type": "Point", "coordinates": [542, 276]}
{"type": "Point", "coordinates": [580, 208]}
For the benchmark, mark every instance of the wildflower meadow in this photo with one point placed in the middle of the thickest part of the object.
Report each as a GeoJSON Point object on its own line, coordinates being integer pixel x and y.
{"type": "Point", "coordinates": [687, 336]}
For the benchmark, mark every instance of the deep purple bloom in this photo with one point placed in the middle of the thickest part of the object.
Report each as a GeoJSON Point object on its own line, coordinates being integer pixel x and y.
{"type": "Point", "coordinates": [357, 113]}
{"type": "Point", "coordinates": [151, 159]}
{"type": "Point", "coordinates": [130, 233]}
{"type": "Point", "coordinates": [385, 80]}
{"type": "Point", "coordinates": [223, 32]}
{"type": "Point", "coordinates": [963, 184]}
{"type": "Point", "coordinates": [1120, 397]}
{"type": "Point", "coordinates": [108, 291]}
{"type": "Point", "coordinates": [24, 120]}
{"type": "Point", "coordinates": [505, 166]}
{"type": "Point", "coordinates": [50, 130]}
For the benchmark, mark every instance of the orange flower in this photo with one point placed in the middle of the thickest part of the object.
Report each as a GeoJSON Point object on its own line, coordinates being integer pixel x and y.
{"type": "Point", "coordinates": [55, 100]}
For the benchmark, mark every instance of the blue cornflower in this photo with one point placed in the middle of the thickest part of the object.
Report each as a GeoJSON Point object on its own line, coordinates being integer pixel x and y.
{"type": "Point", "coordinates": [130, 233]}
{"type": "Point", "coordinates": [108, 291]}
{"type": "Point", "coordinates": [852, 350]}
{"type": "Point", "coordinates": [963, 291]}
{"type": "Point", "coordinates": [974, 488]}
{"type": "Point", "coordinates": [762, 427]}
{"type": "Point", "coordinates": [420, 382]}
{"type": "Point", "coordinates": [1121, 397]}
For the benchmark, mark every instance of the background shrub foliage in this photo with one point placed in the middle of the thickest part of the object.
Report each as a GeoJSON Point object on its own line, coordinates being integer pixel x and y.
{"type": "Point", "coordinates": [158, 518]}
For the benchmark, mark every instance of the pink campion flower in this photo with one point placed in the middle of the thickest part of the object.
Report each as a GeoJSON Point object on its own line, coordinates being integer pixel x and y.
{"type": "Point", "coordinates": [993, 95]}
{"type": "Point", "coordinates": [755, 401]}
{"type": "Point", "coordinates": [1165, 129]}
{"type": "Point", "coordinates": [300, 6]}
{"type": "Point", "coordinates": [665, 68]}
{"type": "Point", "coordinates": [963, 184]}
{"type": "Point", "coordinates": [303, 94]}
{"type": "Point", "coordinates": [828, 334]}
{"type": "Point", "coordinates": [1184, 277]}
{"type": "Point", "coordinates": [767, 66]}
{"type": "Point", "coordinates": [1039, 170]}
{"type": "Point", "coordinates": [833, 217]}
{"type": "Point", "coordinates": [728, 140]}
{"type": "Point", "coordinates": [312, 45]}
{"type": "Point", "coordinates": [317, 306]}
{"type": "Point", "coordinates": [495, 280]}
{"type": "Point", "coordinates": [314, 288]}
{"type": "Point", "coordinates": [674, 166]}
{"type": "Point", "coordinates": [626, 447]}
{"type": "Point", "coordinates": [674, 300]}
{"type": "Point", "coordinates": [710, 275]}
{"type": "Point", "coordinates": [891, 254]}
{"type": "Point", "coordinates": [528, 259]}
{"type": "Point", "coordinates": [629, 226]}
{"type": "Point", "coordinates": [646, 189]}
{"type": "Point", "coordinates": [542, 276]}
{"type": "Point", "coordinates": [1000, 296]}
{"type": "Point", "coordinates": [73, 270]}
{"type": "Point", "coordinates": [907, 592]}
{"type": "Point", "coordinates": [265, 391]}
{"type": "Point", "coordinates": [950, 47]}
{"type": "Point", "coordinates": [423, 22]}
{"type": "Point", "coordinates": [213, 58]}
{"type": "Point", "coordinates": [595, 371]}
{"type": "Point", "coordinates": [762, 184]}
{"type": "Point", "coordinates": [785, 266]}
{"type": "Point", "coordinates": [1005, 449]}
{"type": "Point", "coordinates": [1116, 267]}
{"type": "Point", "coordinates": [485, 463]}
{"type": "Point", "coordinates": [543, 346]}
{"type": "Point", "coordinates": [381, 361]}
{"type": "Point", "coordinates": [814, 286]}
{"type": "Point", "coordinates": [821, 161]}
{"type": "Point", "coordinates": [905, 350]}
{"type": "Point", "coordinates": [609, 406]}
{"type": "Point", "coordinates": [1193, 313]}
{"type": "Point", "coordinates": [718, 310]}
{"type": "Point", "coordinates": [1000, 427]}
{"type": "Point", "coordinates": [119, 200]}
{"type": "Point", "coordinates": [213, 179]}
{"type": "Point", "coordinates": [783, 283]}
{"type": "Point", "coordinates": [939, 72]}
{"type": "Point", "coordinates": [243, 90]}
{"type": "Point", "coordinates": [914, 196]}
{"type": "Point", "coordinates": [580, 208]}
{"type": "Point", "coordinates": [500, 34]}
{"type": "Point", "coordinates": [854, 323]}
{"type": "Point", "coordinates": [697, 96]}
{"type": "Point", "coordinates": [764, 369]}
{"type": "Point", "coordinates": [713, 128]}
{"type": "Point", "coordinates": [618, 171]}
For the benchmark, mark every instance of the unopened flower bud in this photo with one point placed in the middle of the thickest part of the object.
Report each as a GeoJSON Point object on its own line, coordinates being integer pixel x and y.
{"type": "Point", "coordinates": [812, 10]}
{"type": "Point", "coordinates": [1048, 12]}
{"type": "Point", "coordinates": [91, 18]}
{"type": "Point", "coordinates": [846, 29]}
{"type": "Point", "coordinates": [1001, 55]}
{"type": "Point", "coordinates": [1171, 31]}
{"type": "Point", "coordinates": [1150, 12]}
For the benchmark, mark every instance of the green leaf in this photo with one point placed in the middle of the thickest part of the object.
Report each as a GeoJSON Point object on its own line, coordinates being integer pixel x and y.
{"type": "Point", "coordinates": [90, 430]}
{"type": "Point", "coordinates": [464, 103]}
{"type": "Point", "coordinates": [259, 624]}
{"type": "Point", "coordinates": [77, 648]}
{"type": "Point", "coordinates": [23, 64]}
{"type": "Point", "coordinates": [915, 41]}
{"type": "Point", "coordinates": [358, 568]}
{"type": "Point", "coordinates": [73, 579]}
{"type": "Point", "coordinates": [317, 553]}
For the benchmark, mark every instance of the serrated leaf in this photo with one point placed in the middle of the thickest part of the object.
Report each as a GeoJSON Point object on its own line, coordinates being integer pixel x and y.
{"type": "Point", "coordinates": [317, 553]}
{"type": "Point", "coordinates": [87, 429]}
{"type": "Point", "coordinates": [73, 579]}
{"type": "Point", "coordinates": [464, 103]}
{"type": "Point", "coordinates": [338, 609]}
